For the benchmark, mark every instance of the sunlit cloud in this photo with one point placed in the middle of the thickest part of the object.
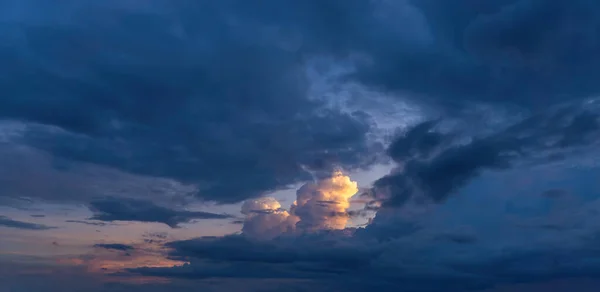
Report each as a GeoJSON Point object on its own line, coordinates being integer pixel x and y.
{"type": "Point", "coordinates": [320, 205]}
{"type": "Point", "coordinates": [110, 260]}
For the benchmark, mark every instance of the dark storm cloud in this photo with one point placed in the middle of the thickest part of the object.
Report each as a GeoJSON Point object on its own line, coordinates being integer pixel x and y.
{"type": "Point", "coordinates": [201, 92]}
{"type": "Point", "coordinates": [122, 209]}
{"type": "Point", "coordinates": [215, 94]}
{"type": "Point", "coordinates": [210, 92]}
{"type": "Point", "coordinates": [114, 246]}
{"type": "Point", "coordinates": [7, 222]}
{"type": "Point", "coordinates": [86, 222]}
{"type": "Point", "coordinates": [241, 249]}
{"type": "Point", "coordinates": [541, 138]}
{"type": "Point", "coordinates": [351, 264]}
{"type": "Point", "coordinates": [238, 257]}
{"type": "Point", "coordinates": [526, 52]}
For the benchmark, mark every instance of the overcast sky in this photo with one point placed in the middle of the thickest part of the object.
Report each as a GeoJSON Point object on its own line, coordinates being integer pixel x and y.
{"type": "Point", "coordinates": [299, 145]}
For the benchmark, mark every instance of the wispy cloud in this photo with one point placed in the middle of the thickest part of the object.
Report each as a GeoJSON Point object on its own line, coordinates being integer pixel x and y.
{"type": "Point", "coordinates": [123, 209]}
{"type": "Point", "coordinates": [7, 222]}
{"type": "Point", "coordinates": [114, 246]}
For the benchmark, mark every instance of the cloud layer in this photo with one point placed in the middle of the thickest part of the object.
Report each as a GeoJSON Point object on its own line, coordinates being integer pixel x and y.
{"type": "Point", "coordinates": [114, 209]}
{"type": "Point", "coordinates": [138, 109]}
{"type": "Point", "coordinates": [7, 222]}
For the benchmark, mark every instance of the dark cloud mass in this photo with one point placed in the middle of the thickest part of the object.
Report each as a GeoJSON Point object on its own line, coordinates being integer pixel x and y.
{"type": "Point", "coordinates": [184, 90]}
{"type": "Point", "coordinates": [346, 263]}
{"type": "Point", "coordinates": [121, 209]}
{"type": "Point", "coordinates": [114, 246]}
{"type": "Point", "coordinates": [203, 92]}
{"type": "Point", "coordinates": [10, 223]}
{"type": "Point", "coordinates": [87, 222]}
{"type": "Point", "coordinates": [435, 166]}
{"type": "Point", "coordinates": [526, 52]}
{"type": "Point", "coordinates": [137, 108]}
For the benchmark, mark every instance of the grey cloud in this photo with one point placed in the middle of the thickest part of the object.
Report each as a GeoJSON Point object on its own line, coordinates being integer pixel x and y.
{"type": "Point", "coordinates": [541, 138]}
{"type": "Point", "coordinates": [58, 180]}
{"type": "Point", "coordinates": [7, 222]}
{"type": "Point", "coordinates": [201, 93]}
{"type": "Point", "coordinates": [215, 95]}
{"type": "Point", "coordinates": [356, 264]}
{"type": "Point", "coordinates": [87, 222]}
{"type": "Point", "coordinates": [215, 91]}
{"type": "Point", "coordinates": [122, 209]}
{"type": "Point", "coordinates": [155, 237]}
{"type": "Point", "coordinates": [114, 246]}
{"type": "Point", "coordinates": [532, 53]}
{"type": "Point", "coordinates": [240, 257]}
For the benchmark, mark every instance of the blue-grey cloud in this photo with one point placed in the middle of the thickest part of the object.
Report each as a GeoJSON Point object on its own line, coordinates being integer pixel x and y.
{"type": "Point", "coordinates": [527, 52]}
{"type": "Point", "coordinates": [122, 209]}
{"type": "Point", "coordinates": [215, 95]}
{"type": "Point", "coordinates": [435, 165]}
{"type": "Point", "coordinates": [395, 255]}
{"type": "Point", "coordinates": [87, 222]}
{"type": "Point", "coordinates": [214, 91]}
{"type": "Point", "coordinates": [7, 222]}
{"type": "Point", "coordinates": [114, 246]}
{"type": "Point", "coordinates": [353, 263]}
{"type": "Point", "coordinates": [202, 93]}
{"type": "Point", "coordinates": [235, 256]}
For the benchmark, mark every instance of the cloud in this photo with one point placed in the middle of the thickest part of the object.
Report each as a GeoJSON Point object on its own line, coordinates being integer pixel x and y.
{"type": "Point", "coordinates": [320, 205]}
{"type": "Point", "coordinates": [434, 165]}
{"type": "Point", "coordinates": [526, 52]}
{"type": "Point", "coordinates": [324, 205]}
{"type": "Point", "coordinates": [67, 182]}
{"type": "Point", "coordinates": [114, 246]}
{"type": "Point", "coordinates": [87, 222]}
{"type": "Point", "coordinates": [121, 209]}
{"type": "Point", "coordinates": [264, 218]}
{"type": "Point", "coordinates": [277, 259]}
{"type": "Point", "coordinates": [7, 222]}
{"type": "Point", "coordinates": [417, 247]}
{"type": "Point", "coordinates": [428, 260]}
{"type": "Point", "coordinates": [209, 95]}
{"type": "Point", "coordinates": [238, 97]}
{"type": "Point", "coordinates": [151, 104]}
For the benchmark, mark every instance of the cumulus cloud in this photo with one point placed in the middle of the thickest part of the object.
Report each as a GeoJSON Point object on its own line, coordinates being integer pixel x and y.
{"type": "Point", "coordinates": [433, 258]}
{"type": "Point", "coordinates": [320, 205]}
{"type": "Point", "coordinates": [324, 204]}
{"type": "Point", "coordinates": [265, 219]}
{"type": "Point", "coordinates": [429, 253]}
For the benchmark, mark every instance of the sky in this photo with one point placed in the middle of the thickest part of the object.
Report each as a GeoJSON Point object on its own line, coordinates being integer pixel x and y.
{"type": "Point", "coordinates": [287, 145]}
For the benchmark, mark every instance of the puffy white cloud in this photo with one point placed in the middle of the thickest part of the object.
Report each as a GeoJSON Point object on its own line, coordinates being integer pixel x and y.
{"type": "Point", "coordinates": [320, 205]}
{"type": "Point", "coordinates": [324, 204]}
{"type": "Point", "coordinates": [265, 219]}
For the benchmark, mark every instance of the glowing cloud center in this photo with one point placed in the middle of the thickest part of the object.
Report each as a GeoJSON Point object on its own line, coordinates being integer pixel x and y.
{"type": "Point", "coordinates": [321, 205]}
